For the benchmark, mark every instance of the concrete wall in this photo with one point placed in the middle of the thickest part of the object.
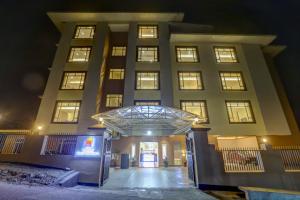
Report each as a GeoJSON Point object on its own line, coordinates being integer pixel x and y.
{"type": "Point", "coordinates": [210, 168]}
{"type": "Point", "coordinates": [89, 168]}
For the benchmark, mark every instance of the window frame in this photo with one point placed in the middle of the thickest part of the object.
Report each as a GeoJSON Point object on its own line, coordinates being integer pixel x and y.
{"type": "Point", "coordinates": [109, 71]}
{"type": "Point", "coordinates": [136, 78]}
{"type": "Point", "coordinates": [70, 50]}
{"type": "Point", "coordinates": [137, 54]}
{"type": "Point", "coordinates": [240, 101]}
{"type": "Point", "coordinates": [154, 25]}
{"type": "Point", "coordinates": [63, 77]}
{"type": "Point", "coordinates": [201, 80]}
{"type": "Point", "coordinates": [197, 53]}
{"type": "Point", "coordinates": [62, 101]}
{"type": "Point", "coordinates": [112, 50]}
{"type": "Point", "coordinates": [114, 106]}
{"type": "Point", "coordinates": [157, 101]}
{"type": "Point", "coordinates": [242, 77]}
{"type": "Point", "coordinates": [224, 47]}
{"type": "Point", "coordinates": [85, 25]}
{"type": "Point", "coordinates": [205, 108]}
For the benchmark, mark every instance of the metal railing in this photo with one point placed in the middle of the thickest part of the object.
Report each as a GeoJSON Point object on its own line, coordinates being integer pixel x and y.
{"type": "Point", "coordinates": [60, 145]}
{"type": "Point", "coordinates": [11, 144]}
{"type": "Point", "coordinates": [241, 160]}
{"type": "Point", "coordinates": [290, 156]}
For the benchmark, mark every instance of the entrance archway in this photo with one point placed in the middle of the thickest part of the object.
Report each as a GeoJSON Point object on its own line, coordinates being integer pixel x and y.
{"type": "Point", "coordinates": [157, 135]}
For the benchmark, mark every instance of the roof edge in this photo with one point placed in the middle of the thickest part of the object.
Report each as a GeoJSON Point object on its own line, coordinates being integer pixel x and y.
{"type": "Point", "coordinates": [118, 17]}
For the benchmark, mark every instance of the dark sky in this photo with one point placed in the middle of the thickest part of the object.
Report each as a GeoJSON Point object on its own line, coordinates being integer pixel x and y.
{"type": "Point", "coordinates": [28, 39]}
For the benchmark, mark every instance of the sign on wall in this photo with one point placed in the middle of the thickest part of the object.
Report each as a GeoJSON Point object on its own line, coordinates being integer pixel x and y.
{"type": "Point", "coordinates": [88, 146]}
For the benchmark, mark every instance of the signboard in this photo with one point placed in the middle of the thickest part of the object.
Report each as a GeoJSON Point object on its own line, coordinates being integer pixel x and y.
{"type": "Point", "coordinates": [88, 146]}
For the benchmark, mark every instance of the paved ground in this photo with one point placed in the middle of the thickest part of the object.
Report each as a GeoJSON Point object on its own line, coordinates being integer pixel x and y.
{"type": "Point", "coordinates": [23, 192]}
{"type": "Point", "coordinates": [171, 177]}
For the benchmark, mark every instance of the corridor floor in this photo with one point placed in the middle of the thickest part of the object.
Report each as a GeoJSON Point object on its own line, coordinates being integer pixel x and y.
{"type": "Point", "coordinates": [171, 177]}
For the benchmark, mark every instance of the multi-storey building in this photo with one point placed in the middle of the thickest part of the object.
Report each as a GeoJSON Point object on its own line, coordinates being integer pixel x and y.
{"type": "Point", "coordinates": [127, 69]}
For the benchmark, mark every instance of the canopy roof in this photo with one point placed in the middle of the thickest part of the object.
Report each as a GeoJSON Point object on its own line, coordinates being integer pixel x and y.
{"type": "Point", "coordinates": [147, 120]}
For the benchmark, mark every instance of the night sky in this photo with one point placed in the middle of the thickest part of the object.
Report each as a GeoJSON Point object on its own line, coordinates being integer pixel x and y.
{"type": "Point", "coordinates": [28, 41]}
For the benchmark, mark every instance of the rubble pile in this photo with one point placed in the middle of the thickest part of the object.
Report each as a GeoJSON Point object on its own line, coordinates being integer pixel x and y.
{"type": "Point", "coordinates": [25, 178]}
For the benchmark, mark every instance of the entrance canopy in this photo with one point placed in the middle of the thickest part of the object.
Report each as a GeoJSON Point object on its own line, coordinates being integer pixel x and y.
{"type": "Point", "coordinates": [147, 120]}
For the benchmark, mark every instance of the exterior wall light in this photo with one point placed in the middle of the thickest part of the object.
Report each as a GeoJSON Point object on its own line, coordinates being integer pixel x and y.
{"type": "Point", "coordinates": [264, 140]}
{"type": "Point", "coordinates": [39, 128]}
{"type": "Point", "coordinates": [149, 132]}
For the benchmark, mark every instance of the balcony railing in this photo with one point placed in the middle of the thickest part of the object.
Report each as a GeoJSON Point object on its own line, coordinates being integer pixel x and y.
{"type": "Point", "coordinates": [60, 145]}
{"type": "Point", "coordinates": [11, 144]}
{"type": "Point", "coordinates": [290, 156]}
{"type": "Point", "coordinates": [241, 160]}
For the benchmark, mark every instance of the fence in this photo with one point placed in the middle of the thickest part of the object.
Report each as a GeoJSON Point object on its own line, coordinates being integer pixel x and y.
{"type": "Point", "coordinates": [11, 144]}
{"type": "Point", "coordinates": [241, 160]}
{"type": "Point", "coordinates": [60, 145]}
{"type": "Point", "coordinates": [290, 156]}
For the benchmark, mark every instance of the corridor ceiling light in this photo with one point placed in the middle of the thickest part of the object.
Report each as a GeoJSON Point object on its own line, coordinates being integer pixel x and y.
{"type": "Point", "coordinates": [149, 132]}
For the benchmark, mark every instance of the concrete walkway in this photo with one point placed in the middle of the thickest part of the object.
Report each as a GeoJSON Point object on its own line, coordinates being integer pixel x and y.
{"type": "Point", "coordinates": [171, 177]}
{"type": "Point", "coordinates": [23, 192]}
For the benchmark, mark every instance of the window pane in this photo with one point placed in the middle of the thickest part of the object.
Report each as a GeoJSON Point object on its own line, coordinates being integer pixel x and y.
{"type": "Point", "coordinates": [66, 111]}
{"type": "Point", "coordinates": [147, 103]}
{"type": "Point", "coordinates": [190, 81]}
{"type": "Point", "coordinates": [119, 51]}
{"type": "Point", "coordinates": [232, 81]}
{"type": "Point", "coordinates": [114, 100]}
{"type": "Point", "coordinates": [116, 74]}
{"type": "Point", "coordinates": [197, 108]}
{"type": "Point", "coordinates": [147, 81]}
{"type": "Point", "coordinates": [78, 54]}
{"type": "Point", "coordinates": [84, 32]}
{"type": "Point", "coordinates": [239, 112]}
{"type": "Point", "coordinates": [187, 54]}
{"type": "Point", "coordinates": [147, 31]}
{"type": "Point", "coordinates": [225, 54]}
{"type": "Point", "coordinates": [73, 80]}
{"type": "Point", "coordinates": [147, 54]}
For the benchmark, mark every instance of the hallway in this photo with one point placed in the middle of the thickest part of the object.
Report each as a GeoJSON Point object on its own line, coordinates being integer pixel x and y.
{"type": "Point", "coordinates": [171, 177]}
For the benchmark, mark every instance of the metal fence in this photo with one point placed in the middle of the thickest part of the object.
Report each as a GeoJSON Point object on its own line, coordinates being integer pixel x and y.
{"type": "Point", "coordinates": [11, 144]}
{"type": "Point", "coordinates": [290, 156]}
{"type": "Point", "coordinates": [60, 145]}
{"type": "Point", "coordinates": [241, 160]}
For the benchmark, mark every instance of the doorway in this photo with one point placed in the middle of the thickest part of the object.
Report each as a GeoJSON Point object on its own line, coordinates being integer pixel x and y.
{"type": "Point", "coordinates": [148, 155]}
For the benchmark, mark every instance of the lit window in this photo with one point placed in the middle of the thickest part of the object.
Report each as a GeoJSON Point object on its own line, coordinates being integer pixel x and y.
{"type": "Point", "coordinates": [147, 54]}
{"type": "Point", "coordinates": [84, 32]}
{"type": "Point", "coordinates": [66, 111]}
{"type": "Point", "coordinates": [119, 51]}
{"type": "Point", "coordinates": [239, 112]}
{"type": "Point", "coordinates": [225, 55]}
{"type": "Point", "coordinates": [79, 54]}
{"type": "Point", "coordinates": [133, 147]}
{"type": "Point", "coordinates": [196, 107]}
{"type": "Point", "coordinates": [114, 100]}
{"type": "Point", "coordinates": [190, 81]}
{"type": "Point", "coordinates": [116, 74]}
{"type": "Point", "coordinates": [164, 151]}
{"type": "Point", "coordinates": [73, 81]}
{"type": "Point", "coordinates": [187, 54]}
{"type": "Point", "coordinates": [147, 31]}
{"type": "Point", "coordinates": [147, 103]}
{"type": "Point", "coordinates": [147, 81]}
{"type": "Point", "coordinates": [232, 81]}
